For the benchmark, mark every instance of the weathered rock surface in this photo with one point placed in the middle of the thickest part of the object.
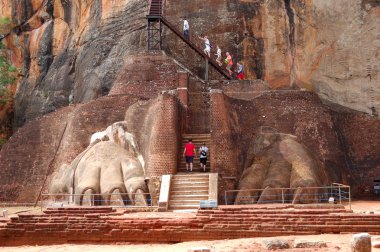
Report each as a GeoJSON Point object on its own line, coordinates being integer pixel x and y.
{"type": "Point", "coordinates": [70, 51]}
{"type": "Point", "coordinates": [361, 243]}
{"type": "Point", "coordinates": [77, 48]}
{"type": "Point", "coordinates": [274, 244]}
{"type": "Point", "coordinates": [309, 244]}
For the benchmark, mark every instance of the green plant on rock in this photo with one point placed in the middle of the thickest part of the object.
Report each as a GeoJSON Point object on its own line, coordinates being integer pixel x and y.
{"type": "Point", "coordinates": [8, 76]}
{"type": "Point", "coordinates": [5, 25]}
{"type": "Point", "coordinates": [2, 142]}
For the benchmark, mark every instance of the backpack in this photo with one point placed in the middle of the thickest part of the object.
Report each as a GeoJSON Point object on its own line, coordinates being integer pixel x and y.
{"type": "Point", "coordinates": [203, 153]}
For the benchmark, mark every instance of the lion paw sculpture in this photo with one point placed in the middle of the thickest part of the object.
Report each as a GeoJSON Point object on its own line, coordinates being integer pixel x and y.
{"type": "Point", "coordinates": [109, 171]}
{"type": "Point", "coordinates": [280, 161]}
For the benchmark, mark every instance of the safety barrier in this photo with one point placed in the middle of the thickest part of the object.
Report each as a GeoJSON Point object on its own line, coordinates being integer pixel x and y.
{"type": "Point", "coordinates": [333, 194]}
{"type": "Point", "coordinates": [112, 200]}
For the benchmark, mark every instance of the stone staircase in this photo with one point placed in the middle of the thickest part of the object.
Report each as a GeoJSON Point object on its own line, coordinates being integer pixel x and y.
{"type": "Point", "coordinates": [198, 140]}
{"type": "Point", "coordinates": [186, 190]}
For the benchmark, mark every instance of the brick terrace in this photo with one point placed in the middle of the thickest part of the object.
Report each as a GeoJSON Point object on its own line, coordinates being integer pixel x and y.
{"type": "Point", "coordinates": [105, 225]}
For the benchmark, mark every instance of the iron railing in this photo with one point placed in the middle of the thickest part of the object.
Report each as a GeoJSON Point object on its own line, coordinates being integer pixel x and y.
{"type": "Point", "coordinates": [113, 200]}
{"type": "Point", "coordinates": [335, 193]}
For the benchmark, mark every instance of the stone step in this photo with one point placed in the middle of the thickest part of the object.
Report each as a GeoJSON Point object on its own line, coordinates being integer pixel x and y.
{"type": "Point", "coordinates": [195, 174]}
{"type": "Point", "coordinates": [191, 178]}
{"type": "Point", "coordinates": [198, 170]}
{"type": "Point", "coordinates": [183, 206]}
{"type": "Point", "coordinates": [196, 135]}
{"type": "Point", "coordinates": [189, 197]}
{"type": "Point", "coordinates": [189, 182]}
{"type": "Point", "coordinates": [188, 192]}
{"type": "Point", "coordinates": [188, 201]}
{"type": "Point", "coordinates": [189, 187]}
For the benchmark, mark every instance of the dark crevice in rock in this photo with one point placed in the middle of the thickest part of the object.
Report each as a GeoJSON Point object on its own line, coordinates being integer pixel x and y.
{"type": "Point", "coordinates": [50, 7]}
{"type": "Point", "coordinates": [26, 11]}
{"type": "Point", "coordinates": [372, 3]}
{"type": "Point", "coordinates": [67, 6]}
{"type": "Point", "coordinates": [292, 39]}
{"type": "Point", "coordinates": [45, 52]}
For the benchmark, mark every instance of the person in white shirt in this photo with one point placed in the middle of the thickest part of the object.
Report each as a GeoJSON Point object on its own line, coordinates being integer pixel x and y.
{"type": "Point", "coordinates": [186, 28]}
{"type": "Point", "coordinates": [207, 45]}
{"type": "Point", "coordinates": [218, 55]}
{"type": "Point", "coordinates": [203, 152]}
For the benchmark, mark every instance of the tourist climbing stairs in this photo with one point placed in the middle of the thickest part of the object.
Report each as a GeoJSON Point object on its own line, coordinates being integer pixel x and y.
{"type": "Point", "coordinates": [156, 12]}
{"type": "Point", "coordinates": [196, 48]}
{"type": "Point", "coordinates": [198, 140]}
{"type": "Point", "coordinates": [187, 190]}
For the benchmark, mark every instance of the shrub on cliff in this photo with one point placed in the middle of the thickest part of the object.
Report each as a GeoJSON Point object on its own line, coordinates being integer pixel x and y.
{"type": "Point", "coordinates": [8, 75]}
{"type": "Point", "coordinates": [5, 25]}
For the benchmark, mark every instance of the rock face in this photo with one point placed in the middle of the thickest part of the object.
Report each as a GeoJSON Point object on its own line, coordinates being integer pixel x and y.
{"type": "Point", "coordinates": [329, 47]}
{"type": "Point", "coordinates": [70, 51]}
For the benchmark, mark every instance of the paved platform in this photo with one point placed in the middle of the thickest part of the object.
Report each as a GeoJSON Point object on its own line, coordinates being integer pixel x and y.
{"type": "Point", "coordinates": [108, 225]}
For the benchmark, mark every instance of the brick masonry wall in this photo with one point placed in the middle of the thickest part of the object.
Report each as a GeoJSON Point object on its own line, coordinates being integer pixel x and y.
{"type": "Point", "coordinates": [224, 160]}
{"type": "Point", "coordinates": [146, 75]}
{"type": "Point", "coordinates": [59, 226]}
{"type": "Point", "coordinates": [235, 122]}
{"type": "Point", "coordinates": [163, 147]}
{"type": "Point", "coordinates": [347, 144]}
{"type": "Point", "coordinates": [199, 107]}
{"type": "Point", "coordinates": [25, 159]}
{"type": "Point", "coordinates": [360, 135]}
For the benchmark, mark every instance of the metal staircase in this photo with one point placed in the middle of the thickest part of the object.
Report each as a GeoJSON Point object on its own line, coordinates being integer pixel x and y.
{"type": "Point", "coordinates": [154, 42]}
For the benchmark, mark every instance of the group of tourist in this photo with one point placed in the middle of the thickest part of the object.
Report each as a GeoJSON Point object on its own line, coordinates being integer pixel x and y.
{"type": "Point", "coordinates": [189, 153]}
{"type": "Point", "coordinates": [239, 69]}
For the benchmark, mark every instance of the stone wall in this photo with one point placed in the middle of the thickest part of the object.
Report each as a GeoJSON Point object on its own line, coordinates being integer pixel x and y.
{"type": "Point", "coordinates": [224, 146]}
{"type": "Point", "coordinates": [36, 150]}
{"type": "Point", "coordinates": [362, 145]}
{"type": "Point", "coordinates": [235, 122]}
{"type": "Point", "coordinates": [346, 143]}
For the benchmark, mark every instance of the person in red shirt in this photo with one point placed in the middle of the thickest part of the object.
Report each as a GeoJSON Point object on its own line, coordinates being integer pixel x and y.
{"type": "Point", "coordinates": [189, 153]}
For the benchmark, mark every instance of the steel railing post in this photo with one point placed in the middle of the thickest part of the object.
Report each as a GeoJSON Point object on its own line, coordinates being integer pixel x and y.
{"type": "Point", "coordinates": [282, 195]}
{"type": "Point", "coordinates": [206, 69]}
{"type": "Point", "coordinates": [349, 196]}
{"type": "Point", "coordinates": [340, 195]}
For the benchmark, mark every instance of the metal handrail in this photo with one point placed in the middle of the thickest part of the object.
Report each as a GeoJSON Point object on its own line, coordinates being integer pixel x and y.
{"type": "Point", "coordinates": [127, 200]}
{"type": "Point", "coordinates": [337, 190]}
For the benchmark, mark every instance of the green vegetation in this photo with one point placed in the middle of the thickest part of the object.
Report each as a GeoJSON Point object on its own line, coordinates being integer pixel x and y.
{"type": "Point", "coordinates": [5, 21]}
{"type": "Point", "coordinates": [5, 25]}
{"type": "Point", "coordinates": [2, 142]}
{"type": "Point", "coordinates": [8, 75]}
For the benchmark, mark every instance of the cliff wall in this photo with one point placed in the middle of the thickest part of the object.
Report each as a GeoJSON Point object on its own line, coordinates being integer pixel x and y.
{"type": "Point", "coordinates": [70, 51]}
